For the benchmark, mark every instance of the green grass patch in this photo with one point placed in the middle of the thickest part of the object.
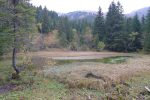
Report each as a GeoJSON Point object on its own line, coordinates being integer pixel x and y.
{"type": "Point", "coordinates": [42, 89]}
{"type": "Point", "coordinates": [30, 85]}
{"type": "Point", "coordinates": [107, 60]}
{"type": "Point", "coordinates": [5, 71]}
{"type": "Point", "coordinates": [114, 60]}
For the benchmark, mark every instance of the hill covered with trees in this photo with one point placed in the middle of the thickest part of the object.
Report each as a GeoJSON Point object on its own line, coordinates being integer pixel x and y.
{"type": "Point", "coordinates": [114, 32]}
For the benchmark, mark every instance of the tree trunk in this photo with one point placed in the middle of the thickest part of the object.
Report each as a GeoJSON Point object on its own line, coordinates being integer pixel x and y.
{"type": "Point", "coordinates": [14, 2]}
{"type": "Point", "coordinates": [14, 61]}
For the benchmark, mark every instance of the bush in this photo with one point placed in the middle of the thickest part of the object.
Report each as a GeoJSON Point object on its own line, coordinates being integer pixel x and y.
{"type": "Point", "coordinates": [100, 46]}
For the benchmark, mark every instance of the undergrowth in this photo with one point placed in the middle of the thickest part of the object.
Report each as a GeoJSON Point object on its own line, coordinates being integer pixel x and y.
{"type": "Point", "coordinates": [32, 85]}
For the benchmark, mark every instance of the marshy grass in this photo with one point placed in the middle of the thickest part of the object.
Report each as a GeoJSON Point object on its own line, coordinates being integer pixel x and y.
{"type": "Point", "coordinates": [35, 87]}
{"type": "Point", "coordinates": [114, 60]}
{"type": "Point", "coordinates": [45, 88]}
{"type": "Point", "coordinates": [107, 60]}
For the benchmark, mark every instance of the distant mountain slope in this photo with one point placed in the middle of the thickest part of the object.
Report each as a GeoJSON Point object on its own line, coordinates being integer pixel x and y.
{"type": "Point", "coordinates": [77, 15]}
{"type": "Point", "coordinates": [90, 15]}
{"type": "Point", "coordinates": [140, 12]}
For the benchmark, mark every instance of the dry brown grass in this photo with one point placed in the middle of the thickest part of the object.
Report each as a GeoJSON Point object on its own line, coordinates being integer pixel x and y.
{"type": "Point", "coordinates": [40, 62]}
{"type": "Point", "coordinates": [57, 53]}
{"type": "Point", "coordinates": [112, 73]}
{"type": "Point", "coordinates": [75, 74]}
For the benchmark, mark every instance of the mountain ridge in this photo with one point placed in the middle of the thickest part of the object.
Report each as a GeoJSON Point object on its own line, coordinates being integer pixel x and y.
{"type": "Point", "coordinates": [139, 12]}
{"type": "Point", "coordinates": [90, 15]}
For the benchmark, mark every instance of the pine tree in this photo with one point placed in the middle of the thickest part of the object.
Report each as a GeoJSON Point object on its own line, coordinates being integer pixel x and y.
{"type": "Point", "coordinates": [53, 20]}
{"type": "Point", "coordinates": [143, 24]}
{"type": "Point", "coordinates": [45, 22]}
{"type": "Point", "coordinates": [5, 39]}
{"type": "Point", "coordinates": [114, 27]}
{"type": "Point", "coordinates": [148, 21]}
{"type": "Point", "coordinates": [48, 19]}
{"type": "Point", "coordinates": [128, 25]}
{"type": "Point", "coordinates": [136, 25]}
{"type": "Point", "coordinates": [130, 35]}
{"type": "Point", "coordinates": [147, 35]}
{"type": "Point", "coordinates": [65, 32]}
{"type": "Point", "coordinates": [20, 21]}
{"type": "Point", "coordinates": [99, 28]}
{"type": "Point", "coordinates": [136, 29]}
{"type": "Point", "coordinates": [39, 14]}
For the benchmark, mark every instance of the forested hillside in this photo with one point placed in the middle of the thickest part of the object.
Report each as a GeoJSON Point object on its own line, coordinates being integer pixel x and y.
{"type": "Point", "coordinates": [115, 32]}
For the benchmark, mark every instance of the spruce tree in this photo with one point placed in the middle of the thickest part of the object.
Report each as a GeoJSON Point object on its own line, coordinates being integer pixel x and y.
{"type": "Point", "coordinates": [114, 27]}
{"type": "Point", "coordinates": [99, 28]}
{"type": "Point", "coordinates": [137, 31]}
{"type": "Point", "coordinates": [143, 24]}
{"type": "Point", "coordinates": [65, 32]}
{"type": "Point", "coordinates": [128, 25]}
{"type": "Point", "coordinates": [148, 22]}
{"type": "Point", "coordinates": [147, 35]}
{"type": "Point", "coordinates": [45, 22]}
{"type": "Point", "coordinates": [39, 14]}
{"type": "Point", "coordinates": [136, 25]}
{"type": "Point", "coordinates": [130, 35]}
{"type": "Point", "coordinates": [20, 21]}
{"type": "Point", "coordinates": [5, 38]}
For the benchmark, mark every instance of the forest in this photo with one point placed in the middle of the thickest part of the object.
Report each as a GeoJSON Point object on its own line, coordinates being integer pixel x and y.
{"type": "Point", "coordinates": [113, 32]}
{"type": "Point", "coordinates": [29, 30]}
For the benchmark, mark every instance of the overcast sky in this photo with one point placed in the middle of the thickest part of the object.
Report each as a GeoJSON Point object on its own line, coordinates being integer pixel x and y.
{"type": "Point", "coordinates": [64, 6]}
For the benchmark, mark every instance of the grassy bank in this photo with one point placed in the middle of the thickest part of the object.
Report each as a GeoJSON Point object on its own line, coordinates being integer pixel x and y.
{"type": "Point", "coordinates": [33, 85]}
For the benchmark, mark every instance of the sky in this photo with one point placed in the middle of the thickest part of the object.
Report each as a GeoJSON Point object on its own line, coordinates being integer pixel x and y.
{"type": "Point", "coordinates": [65, 6]}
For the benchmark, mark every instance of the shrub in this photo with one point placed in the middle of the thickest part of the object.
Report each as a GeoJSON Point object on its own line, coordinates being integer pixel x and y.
{"type": "Point", "coordinates": [100, 46]}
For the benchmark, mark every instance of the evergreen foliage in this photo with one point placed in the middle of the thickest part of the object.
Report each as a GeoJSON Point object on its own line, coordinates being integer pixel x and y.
{"type": "Point", "coordinates": [17, 21]}
{"type": "Point", "coordinates": [147, 35]}
{"type": "Point", "coordinates": [136, 28]}
{"type": "Point", "coordinates": [99, 28]}
{"type": "Point", "coordinates": [114, 26]}
{"type": "Point", "coordinates": [115, 32]}
{"type": "Point", "coordinates": [45, 22]}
